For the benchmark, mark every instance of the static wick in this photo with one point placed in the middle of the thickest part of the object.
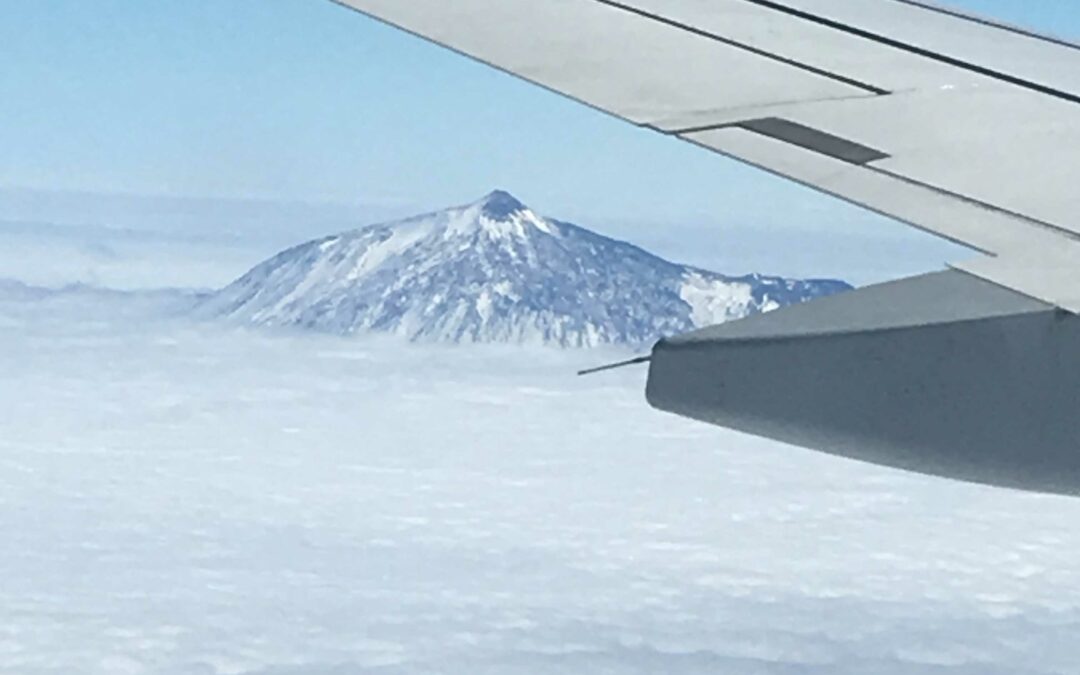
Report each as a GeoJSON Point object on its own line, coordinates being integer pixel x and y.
{"type": "Point", "coordinates": [613, 366]}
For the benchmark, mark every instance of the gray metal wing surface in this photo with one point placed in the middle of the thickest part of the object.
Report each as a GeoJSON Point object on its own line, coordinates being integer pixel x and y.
{"type": "Point", "coordinates": [957, 125]}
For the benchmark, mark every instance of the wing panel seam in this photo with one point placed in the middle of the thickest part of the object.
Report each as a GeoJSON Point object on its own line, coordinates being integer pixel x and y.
{"type": "Point", "coordinates": [915, 49]}
{"type": "Point", "coordinates": [1050, 227]}
{"type": "Point", "coordinates": [821, 72]}
{"type": "Point", "coordinates": [990, 23]}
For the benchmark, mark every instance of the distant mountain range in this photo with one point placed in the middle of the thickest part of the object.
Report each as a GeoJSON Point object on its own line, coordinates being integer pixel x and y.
{"type": "Point", "coordinates": [495, 271]}
{"type": "Point", "coordinates": [171, 302]}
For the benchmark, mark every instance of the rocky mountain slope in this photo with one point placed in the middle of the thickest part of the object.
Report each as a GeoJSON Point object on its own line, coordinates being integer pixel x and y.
{"type": "Point", "coordinates": [495, 271]}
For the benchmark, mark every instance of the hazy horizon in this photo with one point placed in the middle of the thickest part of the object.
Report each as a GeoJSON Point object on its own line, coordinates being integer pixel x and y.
{"type": "Point", "coordinates": [53, 238]}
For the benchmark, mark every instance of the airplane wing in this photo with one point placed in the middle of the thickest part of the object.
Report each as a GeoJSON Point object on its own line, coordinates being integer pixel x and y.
{"type": "Point", "coordinates": [958, 126]}
{"type": "Point", "coordinates": [961, 126]}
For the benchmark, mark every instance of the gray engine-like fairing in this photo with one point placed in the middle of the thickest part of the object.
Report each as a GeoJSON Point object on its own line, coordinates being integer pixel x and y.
{"type": "Point", "coordinates": [942, 374]}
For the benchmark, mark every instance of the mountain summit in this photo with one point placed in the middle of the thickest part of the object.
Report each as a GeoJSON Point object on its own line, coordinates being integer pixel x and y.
{"type": "Point", "coordinates": [495, 271]}
{"type": "Point", "coordinates": [499, 205]}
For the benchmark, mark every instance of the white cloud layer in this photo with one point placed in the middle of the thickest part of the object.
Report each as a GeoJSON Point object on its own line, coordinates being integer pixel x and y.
{"type": "Point", "coordinates": [185, 501]}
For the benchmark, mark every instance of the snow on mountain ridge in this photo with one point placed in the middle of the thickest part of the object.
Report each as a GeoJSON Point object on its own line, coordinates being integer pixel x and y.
{"type": "Point", "coordinates": [494, 270]}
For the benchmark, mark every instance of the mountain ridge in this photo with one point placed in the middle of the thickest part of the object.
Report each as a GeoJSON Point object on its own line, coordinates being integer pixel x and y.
{"type": "Point", "coordinates": [495, 271]}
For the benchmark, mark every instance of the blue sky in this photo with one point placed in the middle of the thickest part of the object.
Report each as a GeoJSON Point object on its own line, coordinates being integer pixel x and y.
{"type": "Point", "coordinates": [302, 100]}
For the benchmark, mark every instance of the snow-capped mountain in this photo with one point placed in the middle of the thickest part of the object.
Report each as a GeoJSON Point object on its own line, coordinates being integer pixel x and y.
{"type": "Point", "coordinates": [495, 271]}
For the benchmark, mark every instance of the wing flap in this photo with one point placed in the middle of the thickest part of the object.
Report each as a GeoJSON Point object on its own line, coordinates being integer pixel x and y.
{"type": "Point", "coordinates": [978, 226]}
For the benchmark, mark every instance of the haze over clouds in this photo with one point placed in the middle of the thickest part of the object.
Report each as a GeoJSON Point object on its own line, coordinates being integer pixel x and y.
{"type": "Point", "coordinates": [53, 238]}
